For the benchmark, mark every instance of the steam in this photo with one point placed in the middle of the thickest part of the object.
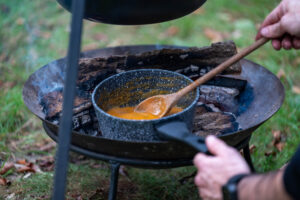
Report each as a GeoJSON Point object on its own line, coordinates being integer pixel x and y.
{"type": "Point", "coordinates": [49, 79]}
{"type": "Point", "coordinates": [31, 56]}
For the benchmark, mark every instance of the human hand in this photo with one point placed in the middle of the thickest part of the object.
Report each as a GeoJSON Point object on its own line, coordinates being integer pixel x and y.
{"type": "Point", "coordinates": [214, 171]}
{"type": "Point", "coordinates": [283, 25]}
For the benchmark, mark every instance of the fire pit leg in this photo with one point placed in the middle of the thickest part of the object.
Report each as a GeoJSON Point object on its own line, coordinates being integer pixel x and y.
{"type": "Point", "coordinates": [247, 157]}
{"type": "Point", "coordinates": [113, 188]}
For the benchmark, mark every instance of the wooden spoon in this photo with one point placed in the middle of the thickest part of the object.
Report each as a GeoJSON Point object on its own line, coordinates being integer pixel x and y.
{"type": "Point", "coordinates": [160, 105]}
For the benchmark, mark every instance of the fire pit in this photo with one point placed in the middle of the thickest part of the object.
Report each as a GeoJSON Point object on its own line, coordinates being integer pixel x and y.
{"type": "Point", "coordinates": [261, 95]}
{"type": "Point", "coordinates": [251, 97]}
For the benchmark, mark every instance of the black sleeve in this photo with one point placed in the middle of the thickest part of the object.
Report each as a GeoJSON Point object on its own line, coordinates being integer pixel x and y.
{"type": "Point", "coordinates": [291, 177]}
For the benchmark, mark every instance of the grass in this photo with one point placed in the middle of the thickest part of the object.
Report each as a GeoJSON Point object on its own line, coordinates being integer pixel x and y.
{"type": "Point", "coordinates": [34, 33]}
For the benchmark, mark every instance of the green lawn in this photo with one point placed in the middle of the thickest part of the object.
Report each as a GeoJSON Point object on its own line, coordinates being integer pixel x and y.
{"type": "Point", "coordinates": [33, 33]}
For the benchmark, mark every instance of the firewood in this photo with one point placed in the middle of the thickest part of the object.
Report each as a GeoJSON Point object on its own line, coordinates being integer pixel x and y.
{"type": "Point", "coordinates": [190, 60]}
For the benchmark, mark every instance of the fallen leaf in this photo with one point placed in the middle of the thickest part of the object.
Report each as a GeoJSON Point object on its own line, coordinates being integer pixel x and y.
{"type": "Point", "coordinates": [46, 163]}
{"type": "Point", "coordinates": [48, 146]}
{"type": "Point", "coordinates": [20, 21]}
{"type": "Point", "coordinates": [280, 73]}
{"type": "Point", "coordinates": [276, 135]}
{"type": "Point", "coordinates": [172, 31]}
{"type": "Point", "coordinates": [24, 168]}
{"type": "Point", "coordinates": [3, 181]}
{"type": "Point", "coordinates": [277, 140]}
{"type": "Point", "coordinates": [296, 89]}
{"type": "Point", "coordinates": [36, 168]}
{"type": "Point", "coordinates": [252, 147]}
{"type": "Point", "coordinates": [213, 35]}
{"type": "Point", "coordinates": [279, 146]}
{"type": "Point", "coordinates": [22, 162]}
{"type": "Point", "coordinates": [42, 145]}
{"type": "Point", "coordinates": [268, 153]}
{"type": "Point", "coordinates": [7, 166]}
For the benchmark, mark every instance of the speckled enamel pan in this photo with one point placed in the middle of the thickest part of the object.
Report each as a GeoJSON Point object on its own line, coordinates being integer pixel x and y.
{"type": "Point", "coordinates": [131, 87]}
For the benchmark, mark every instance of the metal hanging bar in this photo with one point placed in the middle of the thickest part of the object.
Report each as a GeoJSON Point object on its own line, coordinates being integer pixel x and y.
{"type": "Point", "coordinates": [65, 129]}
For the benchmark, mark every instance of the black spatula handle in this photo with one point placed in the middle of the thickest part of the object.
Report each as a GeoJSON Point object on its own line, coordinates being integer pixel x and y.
{"type": "Point", "coordinates": [178, 131]}
{"type": "Point", "coordinates": [198, 143]}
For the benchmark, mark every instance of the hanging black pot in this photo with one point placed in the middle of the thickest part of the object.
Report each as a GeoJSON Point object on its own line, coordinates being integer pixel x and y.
{"type": "Point", "coordinates": [134, 12]}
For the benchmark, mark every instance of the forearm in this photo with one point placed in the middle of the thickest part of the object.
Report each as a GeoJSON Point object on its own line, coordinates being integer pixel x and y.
{"type": "Point", "coordinates": [263, 186]}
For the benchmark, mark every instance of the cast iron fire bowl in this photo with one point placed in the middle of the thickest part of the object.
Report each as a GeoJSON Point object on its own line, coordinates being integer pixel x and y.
{"type": "Point", "coordinates": [261, 99]}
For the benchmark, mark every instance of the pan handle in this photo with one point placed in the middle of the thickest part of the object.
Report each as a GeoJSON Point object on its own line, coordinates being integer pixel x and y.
{"type": "Point", "coordinates": [178, 131]}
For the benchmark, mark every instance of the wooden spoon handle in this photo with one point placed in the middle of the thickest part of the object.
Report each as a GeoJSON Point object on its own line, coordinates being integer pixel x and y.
{"type": "Point", "coordinates": [221, 67]}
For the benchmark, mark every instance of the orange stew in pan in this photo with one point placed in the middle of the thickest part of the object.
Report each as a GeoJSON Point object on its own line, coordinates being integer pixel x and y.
{"type": "Point", "coordinates": [129, 113]}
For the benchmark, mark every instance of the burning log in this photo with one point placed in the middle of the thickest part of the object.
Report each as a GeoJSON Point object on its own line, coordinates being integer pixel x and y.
{"type": "Point", "coordinates": [52, 104]}
{"type": "Point", "coordinates": [223, 97]}
{"type": "Point", "coordinates": [208, 122]}
{"type": "Point", "coordinates": [196, 61]}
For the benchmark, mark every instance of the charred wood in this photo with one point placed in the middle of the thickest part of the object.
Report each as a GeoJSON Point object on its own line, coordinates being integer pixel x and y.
{"type": "Point", "coordinates": [207, 122]}
{"type": "Point", "coordinates": [197, 61]}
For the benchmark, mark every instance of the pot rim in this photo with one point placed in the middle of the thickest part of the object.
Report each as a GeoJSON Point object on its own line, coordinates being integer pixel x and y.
{"type": "Point", "coordinates": [141, 121]}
